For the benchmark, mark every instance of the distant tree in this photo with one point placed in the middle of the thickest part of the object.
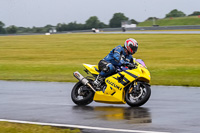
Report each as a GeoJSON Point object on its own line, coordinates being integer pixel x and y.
{"type": "Point", "coordinates": [38, 30]}
{"type": "Point", "coordinates": [116, 20]}
{"type": "Point", "coordinates": [151, 18]}
{"type": "Point", "coordinates": [133, 21]}
{"type": "Point", "coordinates": [2, 29]}
{"type": "Point", "coordinates": [102, 25]}
{"type": "Point", "coordinates": [80, 26]}
{"type": "Point", "coordinates": [11, 29]}
{"type": "Point", "coordinates": [92, 22]}
{"type": "Point", "coordinates": [195, 13]}
{"type": "Point", "coordinates": [70, 26]}
{"type": "Point", "coordinates": [21, 29]}
{"type": "Point", "coordinates": [59, 27]}
{"type": "Point", "coordinates": [175, 13]}
{"type": "Point", "coordinates": [64, 27]}
{"type": "Point", "coordinates": [2, 24]}
{"type": "Point", "coordinates": [47, 27]}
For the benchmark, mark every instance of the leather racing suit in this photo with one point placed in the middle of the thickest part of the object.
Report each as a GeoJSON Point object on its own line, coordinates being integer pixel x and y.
{"type": "Point", "coordinates": [116, 58]}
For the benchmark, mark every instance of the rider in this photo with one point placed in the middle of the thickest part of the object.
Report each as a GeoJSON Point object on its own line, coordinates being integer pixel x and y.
{"type": "Point", "coordinates": [119, 56]}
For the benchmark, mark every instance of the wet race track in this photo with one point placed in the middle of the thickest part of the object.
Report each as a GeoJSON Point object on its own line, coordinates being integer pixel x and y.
{"type": "Point", "coordinates": [170, 109]}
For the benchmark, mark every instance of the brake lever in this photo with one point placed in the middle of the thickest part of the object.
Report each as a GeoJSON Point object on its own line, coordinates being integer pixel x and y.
{"type": "Point", "coordinates": [134, 61]}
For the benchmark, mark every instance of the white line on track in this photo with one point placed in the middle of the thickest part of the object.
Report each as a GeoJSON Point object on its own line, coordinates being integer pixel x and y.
{"type": "Point", "coordinates": [79, 126]}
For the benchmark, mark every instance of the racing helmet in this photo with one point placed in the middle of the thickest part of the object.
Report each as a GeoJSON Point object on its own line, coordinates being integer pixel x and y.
{"type": "Point", "coordinates": [131, 45]}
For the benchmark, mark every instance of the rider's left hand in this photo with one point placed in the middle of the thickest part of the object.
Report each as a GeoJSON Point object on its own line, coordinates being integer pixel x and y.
{"type": "Point", "coordinates": [130, 65]}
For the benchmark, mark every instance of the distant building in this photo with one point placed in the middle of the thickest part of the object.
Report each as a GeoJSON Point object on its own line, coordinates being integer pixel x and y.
{"type": "Point", "coordinates": [95, 30]}
{"type": "Point", "coordinates": [53, 30]}
{"type": "Point", "coordinates": [127, 24]}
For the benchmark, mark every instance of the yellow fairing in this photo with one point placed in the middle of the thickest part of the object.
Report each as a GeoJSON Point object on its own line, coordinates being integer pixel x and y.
{"type": "Point", "coordinates": [142, 73]}
{"type": "Point", "coordinates": [114, 92]}
{"type": "Point", "coordinates": [91, 68]}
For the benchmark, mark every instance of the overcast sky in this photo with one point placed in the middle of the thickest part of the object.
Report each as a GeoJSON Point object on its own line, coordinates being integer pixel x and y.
{"type": "Point", "coordinates": [28, 13]}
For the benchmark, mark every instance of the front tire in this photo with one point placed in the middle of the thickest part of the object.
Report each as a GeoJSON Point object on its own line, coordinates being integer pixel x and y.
{"type": "Point", "coordinates": [82, 94]}
{"type": "Point", "coordinates": [139, 97]}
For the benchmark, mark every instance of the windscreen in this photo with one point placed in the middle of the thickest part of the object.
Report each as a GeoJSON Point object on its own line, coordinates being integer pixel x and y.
{"type": "Point", "coordinates": [141, 62]}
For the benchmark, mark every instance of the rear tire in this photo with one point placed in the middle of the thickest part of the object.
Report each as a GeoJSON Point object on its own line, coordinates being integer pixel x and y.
{"type": "Point", "coordinates": [136, 100]}
{"type": "Point", "coordinates": [82, 94]}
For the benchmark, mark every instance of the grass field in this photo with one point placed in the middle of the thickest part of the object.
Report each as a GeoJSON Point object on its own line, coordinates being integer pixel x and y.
{"type": "Point", "coordinates": [173, 59]}
{"type": "Point", "coordinates": [6, 127]}
{"type": "Point", "coordinates": [176, 21]}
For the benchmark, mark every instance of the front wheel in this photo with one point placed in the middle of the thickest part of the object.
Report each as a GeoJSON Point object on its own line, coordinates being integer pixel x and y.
{"type": "Point", "coordinates": [82, 94]}
{"type": "Point", "coordinates": [136, 97]}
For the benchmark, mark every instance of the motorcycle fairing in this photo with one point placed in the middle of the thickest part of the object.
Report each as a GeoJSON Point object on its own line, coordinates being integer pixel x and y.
{"type": "Point", "coordinates": [115, 84]}
{"type": "Point", "coordinates": [93, 69]}
{"type": "Point", "coordinates": [114, 92]}
{"type": "Point", "coordinates": [141, 71]}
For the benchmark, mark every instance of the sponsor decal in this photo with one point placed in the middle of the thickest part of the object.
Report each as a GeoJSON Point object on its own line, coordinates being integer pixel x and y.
{"type": "Point", "coordinates": [113, 84]}
{"type": "Point", "coordinates": [76, 75]}
{"type": "Point", "coordinates": [123, 80]}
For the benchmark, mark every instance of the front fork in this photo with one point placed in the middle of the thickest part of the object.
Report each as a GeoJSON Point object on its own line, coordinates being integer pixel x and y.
{"type": "Point", "coordinates": [135, 86]}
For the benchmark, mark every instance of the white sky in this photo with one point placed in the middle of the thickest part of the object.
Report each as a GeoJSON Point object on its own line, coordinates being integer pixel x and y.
{"type": "Point", "coordinates": [28, 13]}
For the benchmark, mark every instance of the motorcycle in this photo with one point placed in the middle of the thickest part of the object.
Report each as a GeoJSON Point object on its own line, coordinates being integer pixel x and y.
{"type": "Point", "coordinates": [130, 84]}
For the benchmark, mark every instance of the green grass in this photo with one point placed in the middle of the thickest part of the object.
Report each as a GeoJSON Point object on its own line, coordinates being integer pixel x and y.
{"type": "Point", "coordinates": [177, 21]}
{"type": "Point", "coordinates": [6, 127]}
{"type": "Point", "coordinates": [173, 59]}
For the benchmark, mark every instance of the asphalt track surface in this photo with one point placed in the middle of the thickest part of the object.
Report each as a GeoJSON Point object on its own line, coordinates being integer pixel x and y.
{"type": "Point", "coordinates": [170, 109]}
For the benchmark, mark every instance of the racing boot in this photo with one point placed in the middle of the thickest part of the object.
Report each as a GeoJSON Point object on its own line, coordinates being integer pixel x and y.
{"type": "Point", "coordinates": [98, 82]}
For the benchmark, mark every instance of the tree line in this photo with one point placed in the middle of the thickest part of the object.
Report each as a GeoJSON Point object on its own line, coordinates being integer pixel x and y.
{"type": "Point", "coordinates": [92, 22]}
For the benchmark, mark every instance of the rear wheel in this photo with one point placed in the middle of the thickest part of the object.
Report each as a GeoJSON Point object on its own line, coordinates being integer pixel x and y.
{"type": "Point", "coordinates": [138, 96]}
{"type": "Point", "coordinates": [82, 94]}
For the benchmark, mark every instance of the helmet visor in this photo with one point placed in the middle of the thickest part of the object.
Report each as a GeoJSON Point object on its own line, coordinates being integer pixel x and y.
{"type": "Point", "coordinates": [134, 48]}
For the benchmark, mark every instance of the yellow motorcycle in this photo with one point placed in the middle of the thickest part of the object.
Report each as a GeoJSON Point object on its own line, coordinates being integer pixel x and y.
{"type": "Point", "coordinates": [128, 85]}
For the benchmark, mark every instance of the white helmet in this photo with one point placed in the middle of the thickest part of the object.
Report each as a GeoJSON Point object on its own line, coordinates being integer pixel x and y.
{"type": "Point", "coordinates": [131, 45]}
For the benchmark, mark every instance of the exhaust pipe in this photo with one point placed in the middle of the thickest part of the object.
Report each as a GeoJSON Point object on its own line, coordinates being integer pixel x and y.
{"type": "Point", "coordinates": [83, 80]}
